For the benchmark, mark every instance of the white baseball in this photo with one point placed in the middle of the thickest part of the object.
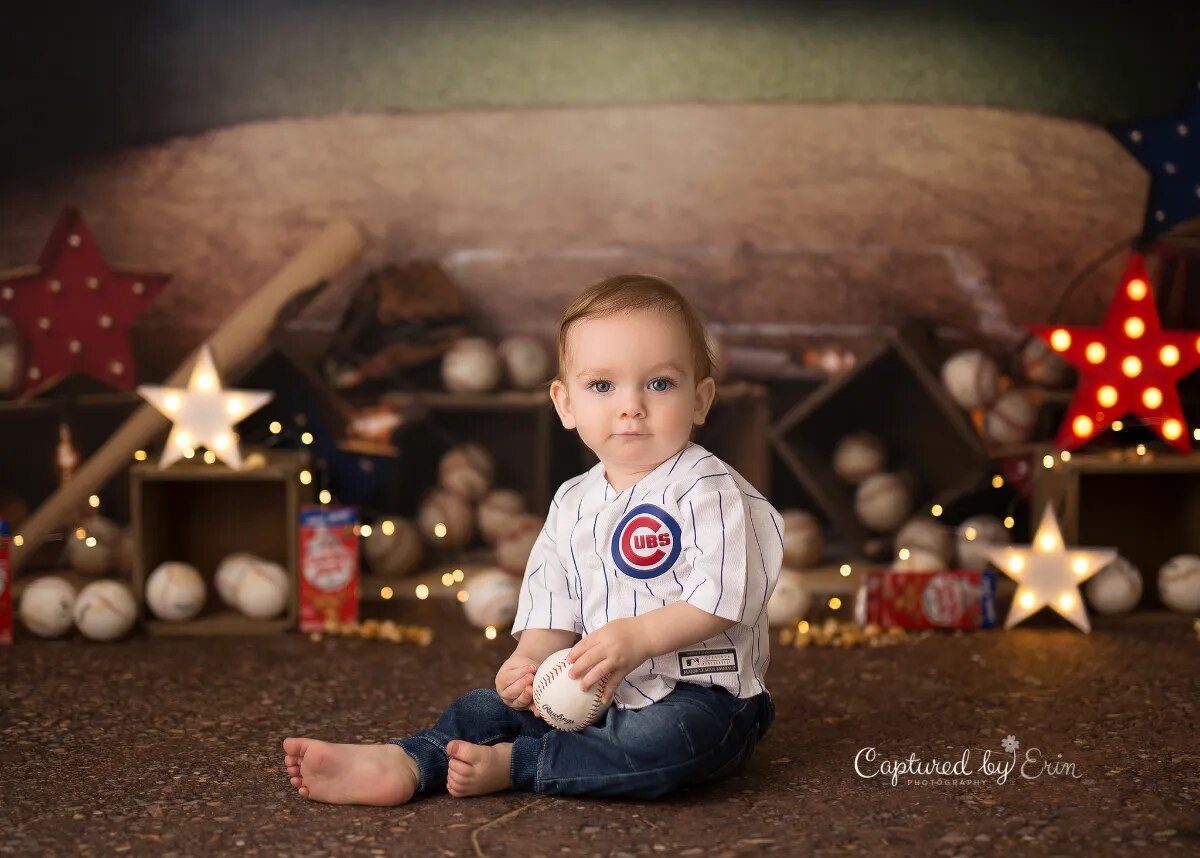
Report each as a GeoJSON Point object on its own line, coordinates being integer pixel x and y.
{"type": "Point", "coordinates": [262, 593]}
{"type": "Point", "coordinates": [229, 574]}
{"type": "Point", "coordinates": [926, 535]}
{"type": "Point", "coordinates": [858, 456]}
{"type": "Point", "coordinates": [450, 510]}
{"type": "Point", "coordinates": [46, 606]}
{"type": "Point", "coordinates": [498, 514]}
{"type": "Point", "coordinates": [972, 378]}
{"type": "Point", "coordinates": [471, 366]}
{"type": "Point", "coordinates": [513, 549]}
{"type": "Point", "coordinates": [1115, 589]}
{"type": "Point", "coordinates": [978, 536]}
{"type": "Point", "coordinates": [1179, 583]}
{"type": "Point", "coordinates": [559, 698]}
{"type": "Point", "coordinates": [94, 549]}
{"type": "Point", "coordinates": [492, 596]}
{"type": "Point", "coordinates": [1040, 364]}
{"type": "Point", "coordinates": [105, 610]}
{"type": "Point", "coordinates": [791, 600]}
{"type": "Point", "coordinates": [175, 591]}
{"type": "Point", "coordinates": [803, 541]}
{"type": "Point", "coordinates": [526, 361]}
{"type": "Point", "coordinates": [394, 547]}
{"type": "Point", "coordinates": [1011, 419]}
{"type": "Point", "coordinates": [466, 470]}
{"type": "Point", "coordinates": [882, 501]}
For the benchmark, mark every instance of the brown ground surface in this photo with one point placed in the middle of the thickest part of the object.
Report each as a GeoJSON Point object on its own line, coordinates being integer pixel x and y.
{"type": "Point", "coordinates": [172, 746]}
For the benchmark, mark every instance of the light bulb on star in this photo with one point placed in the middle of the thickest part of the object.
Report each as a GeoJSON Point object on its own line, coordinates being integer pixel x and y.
{"type": "Point", "coordinates": [203, 413]}
{"type": "Point", "coordinates": [1128, 365]}
{"type": "Point", "coordinates": [1049, 574]}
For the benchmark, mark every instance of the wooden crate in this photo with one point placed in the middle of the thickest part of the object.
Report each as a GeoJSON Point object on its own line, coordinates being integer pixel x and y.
{"type": "Point", "coordinates": [519, 429]}
{"type": "Point", "coordinates": [1144, 506]}
{"type": "Point", "coordinates": [200, 514]}
{"type": "Point", "coordinates": [894, 395]}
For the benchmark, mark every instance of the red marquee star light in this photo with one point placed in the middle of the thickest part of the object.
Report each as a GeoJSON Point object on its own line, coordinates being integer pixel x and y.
{"type": "Point", "coordinates": [1128, 365]}
{"type": "Point", "coordinates": [74, 313]}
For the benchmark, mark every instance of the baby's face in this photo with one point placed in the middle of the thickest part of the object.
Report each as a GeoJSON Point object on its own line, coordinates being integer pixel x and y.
{"type": "Point", "coordinates": [628, 387]}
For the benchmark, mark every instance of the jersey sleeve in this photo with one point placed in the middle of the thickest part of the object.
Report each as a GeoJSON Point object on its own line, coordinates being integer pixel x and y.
{"type": "Point", "coordinates": [547, 599]}
{"type": "Point", "coordinates": [725, 576]}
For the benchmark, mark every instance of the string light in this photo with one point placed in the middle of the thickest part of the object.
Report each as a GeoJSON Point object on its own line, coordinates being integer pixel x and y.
{"type": "Point", "coordinates": [458, 575]}
{"type": "Point", "coordinates": [1047, 461]}
{"type": "Point", "coordinates": [94, 501]}
{"type": "Point", "coordinates": [422, 592]}
{"type": "Point", "coordinates": [365, 530]}
{"type": "Point", "coordinates": [835, 603]}
{"type": "Point", "coordinates": [462, 595]}
{"type": "Point", "coordinates": [18, 540]}
{"type": "Point", "coordinates": [997, 481]}
{"type": "Point", "coordinates": [388, 527]}
{"type": "Point", "coordinates": [306, 438]}
{"type": "Point", "coordinates": [276, 427]}
{"type": "Point", "coordinates": [139, 455]}
{"type": "Point", "coordinates": [386, 593]}
{"type": "Point", "coordinates": [325, 496]}
{"type": "Point", "coordinates": [936, 510]}
{"type": "Point", "coordinates": [844, 569]}
{"type": "Point", "coordinates": [903, 554]}
{"type": "Point", "coordinates": [1065, 455]}
{"type": "Point", "coordinates": [447, 579]}
{"type": "Point", "coordinates": [439, 530]}
{"type": "Point", "coordinates": [1118, 425]}
{"type": "Point", "coordinates": [80, 533]}
{"type": "Point", "coordinates": [305, 477]}
{"type": "Point", "coordinates": [210, 457]}
{"type": "Point", "coordinates": [490, 633]}
{"type": "Point", "coordinates": [1009, 521]}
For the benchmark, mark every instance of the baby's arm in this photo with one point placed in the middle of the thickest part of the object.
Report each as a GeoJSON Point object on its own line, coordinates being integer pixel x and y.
{"type": "Point", "coordinates": [514, 680]}
{"type": "Point", "coordinates": [620, 646]}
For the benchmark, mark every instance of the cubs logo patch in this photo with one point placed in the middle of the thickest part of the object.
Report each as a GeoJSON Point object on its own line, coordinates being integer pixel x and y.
{"type": "Point", "coordinates": [646, 543]}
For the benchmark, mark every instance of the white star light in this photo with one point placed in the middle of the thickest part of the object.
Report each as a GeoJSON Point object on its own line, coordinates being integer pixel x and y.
{"type": "Point", "coordinates": [1049, 574]}
{"type": "Point", "coordinates": [203, 413]}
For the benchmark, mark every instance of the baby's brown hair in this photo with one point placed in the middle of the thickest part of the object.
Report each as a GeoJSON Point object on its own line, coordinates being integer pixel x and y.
{"type": "Point", "coordinates": [631, 292]}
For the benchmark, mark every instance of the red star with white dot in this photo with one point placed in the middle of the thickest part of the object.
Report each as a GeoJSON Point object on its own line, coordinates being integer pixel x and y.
{"type": "Point", "coordinates": [1128, 365]}
{"type": "Point", "coordinates": [74, 313]}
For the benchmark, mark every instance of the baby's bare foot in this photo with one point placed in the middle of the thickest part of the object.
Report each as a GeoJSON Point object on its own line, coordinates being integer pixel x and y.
{"type": "Point", "coordinates": [381, 775]}
{"type": "Point", "coordinates": [478, 769]}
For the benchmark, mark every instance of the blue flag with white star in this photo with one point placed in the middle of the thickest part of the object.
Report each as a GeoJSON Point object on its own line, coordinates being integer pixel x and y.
{"type": "Point", "coordinates": [1169, 149]}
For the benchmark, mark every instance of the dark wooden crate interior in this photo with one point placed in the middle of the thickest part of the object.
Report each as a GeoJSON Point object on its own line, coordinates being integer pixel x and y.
{"type": "Point", "coordinates": [886, 398]}
{"type": "Point", "coordinates": [203, 521]}
{"type": "Point", "coordinates": [1148, 517]}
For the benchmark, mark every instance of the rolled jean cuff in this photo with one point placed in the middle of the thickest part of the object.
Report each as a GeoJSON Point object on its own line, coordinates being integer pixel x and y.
{"type": "Point", "coordinates": [431, 760]}
{"type": "Point", "coordinates": [525, 753]}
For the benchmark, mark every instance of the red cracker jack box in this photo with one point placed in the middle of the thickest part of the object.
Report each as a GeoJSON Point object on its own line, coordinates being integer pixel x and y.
{"type": "Point", "coordinates": [328, 566]}
{"type": "Point", "coordinates": [945, 599]}
{"type": "Point", "coordinates": [6, 613]}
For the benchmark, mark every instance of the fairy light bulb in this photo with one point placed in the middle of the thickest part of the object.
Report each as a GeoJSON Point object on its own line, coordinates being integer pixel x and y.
{"type": "Point", "coordinates": [1136, 289]}
{"type": "Point", "coordinates": [1134, 327]}
{"type": "Point", "coordinates": [1152, 397]}
{"type": "Point", "coordinates": [1172, 429]}
{"type": "Point", "coordinates": [1169, 355]}
{"type": "Point", "coordinates": [1131, 366]}
{"type": "Point", "coordinates": [1095, 353]}
{"type": "Point", "coordinates": [1107, 396]}
{"type": "Point", "coordinates": [1081, 426]}
{"type": "Point", "coordinates": [388, 527]}
{"type": "Point", "coordinates": [1016, 565]}
{"type": "Point", "coordinates": [1060, 340]}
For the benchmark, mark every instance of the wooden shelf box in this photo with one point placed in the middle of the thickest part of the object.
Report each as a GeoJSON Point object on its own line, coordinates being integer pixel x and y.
{"type": "Point", "coordinates": [199, 514]}
{"type": "Point", "coordinates": [895, 396]}
{"type": "Point", "coordinates": [1144, 506]}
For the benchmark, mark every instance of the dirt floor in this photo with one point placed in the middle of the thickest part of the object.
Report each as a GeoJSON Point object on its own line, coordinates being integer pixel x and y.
{"type": "Point", "coordinates": [172, 747]}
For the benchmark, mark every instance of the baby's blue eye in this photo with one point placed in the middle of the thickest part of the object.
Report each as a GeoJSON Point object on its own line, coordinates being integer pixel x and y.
{"type": "Point", "coordinates": [661, 385]}
{"type": "Point", "coordinates": [600, 386]}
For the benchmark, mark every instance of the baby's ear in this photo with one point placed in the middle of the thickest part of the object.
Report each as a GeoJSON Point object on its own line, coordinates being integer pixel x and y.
{"type": "Point", "coordinates": [706, 391]}
{"type": "Point", "coordinates": [562, 403]}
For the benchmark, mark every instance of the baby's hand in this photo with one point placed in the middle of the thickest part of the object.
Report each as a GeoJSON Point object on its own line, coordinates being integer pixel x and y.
{"type": "Point", "coordinates": [514, 681]}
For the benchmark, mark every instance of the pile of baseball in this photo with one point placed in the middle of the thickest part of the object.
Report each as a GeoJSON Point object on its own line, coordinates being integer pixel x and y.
{"type": "Point", "coordinates": [475, 365]}
{"type": "Point", "coordinates": [465, 502]}
{"type": "Point", "coordinates": [882, 499]}
{"type": "Point", "coordinates": [972, 379]}
{"type": "Point", "coordinates": [252, 586]}
{"type": "Point", "coordinates": [102, 611]}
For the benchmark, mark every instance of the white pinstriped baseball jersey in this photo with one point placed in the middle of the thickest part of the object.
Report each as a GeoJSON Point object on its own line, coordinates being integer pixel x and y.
{"type": "Point", "coordinates": [691, 529]}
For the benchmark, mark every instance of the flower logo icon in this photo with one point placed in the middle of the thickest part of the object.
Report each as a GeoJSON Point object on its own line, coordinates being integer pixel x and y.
{"type": "Point", "coordinates": [1010, 744]}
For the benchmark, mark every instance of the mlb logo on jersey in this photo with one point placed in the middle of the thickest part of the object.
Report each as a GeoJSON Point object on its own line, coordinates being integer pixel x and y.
{"type": "Point", "coordinates": [646, 543]}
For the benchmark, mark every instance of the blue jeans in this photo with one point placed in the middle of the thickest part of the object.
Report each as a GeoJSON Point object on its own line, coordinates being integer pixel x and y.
{"type": "Point", "coordinates": [696, 733]}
